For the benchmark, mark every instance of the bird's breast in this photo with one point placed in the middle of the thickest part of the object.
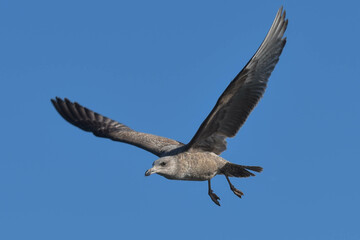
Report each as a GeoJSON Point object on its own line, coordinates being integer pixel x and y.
{"type": "Point", "coordinates": [199, 166]}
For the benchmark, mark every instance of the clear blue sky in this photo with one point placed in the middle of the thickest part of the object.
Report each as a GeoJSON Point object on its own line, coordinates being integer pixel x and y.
{"type": "Point", "coordinates": [159, 67]}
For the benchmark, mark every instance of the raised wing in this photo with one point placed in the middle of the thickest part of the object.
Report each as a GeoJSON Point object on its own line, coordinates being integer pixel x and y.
{"type": "Point", "coordinates": [244, 92]}
{"type": "Point", "coordinates": [101, 126]}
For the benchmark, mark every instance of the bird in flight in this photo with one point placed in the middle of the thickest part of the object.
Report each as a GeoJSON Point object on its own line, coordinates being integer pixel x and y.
{"type": "Point", "coordinates": [199, 159]}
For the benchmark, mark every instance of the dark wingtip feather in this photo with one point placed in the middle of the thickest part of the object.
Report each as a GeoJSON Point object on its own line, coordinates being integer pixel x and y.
{"type": "Point", "coordinates": [54, 103]}
{"type": "Point", "coordinates": [86, 119]}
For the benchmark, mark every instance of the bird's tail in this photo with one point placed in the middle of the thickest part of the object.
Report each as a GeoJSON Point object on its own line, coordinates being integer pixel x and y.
{"type": "Point", "coordinates": [235, 170]}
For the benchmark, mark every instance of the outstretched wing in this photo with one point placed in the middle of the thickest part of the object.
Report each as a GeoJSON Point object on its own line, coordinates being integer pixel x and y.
{"type": "Point", "coordinates": [101, 126]}
{"type": "Point", "coordinates": [243, 93]}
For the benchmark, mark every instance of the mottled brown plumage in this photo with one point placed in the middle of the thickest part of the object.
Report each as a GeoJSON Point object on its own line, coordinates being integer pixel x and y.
{"type": "Point", "coordinates": [198, 160]}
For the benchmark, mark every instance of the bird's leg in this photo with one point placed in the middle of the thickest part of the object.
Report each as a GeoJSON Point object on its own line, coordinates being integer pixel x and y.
{"type": "Point", "coordinates": [212, 195]}
{"type": "Point", "coordinates": [236, 191]}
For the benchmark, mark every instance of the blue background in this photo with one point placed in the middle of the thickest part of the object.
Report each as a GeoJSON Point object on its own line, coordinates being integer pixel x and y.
{"type": "Point", "coordinates": [159, 67]}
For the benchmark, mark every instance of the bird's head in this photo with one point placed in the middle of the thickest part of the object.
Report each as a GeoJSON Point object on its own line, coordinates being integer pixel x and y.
{"type": "Point", "coordinates": [165, 166]}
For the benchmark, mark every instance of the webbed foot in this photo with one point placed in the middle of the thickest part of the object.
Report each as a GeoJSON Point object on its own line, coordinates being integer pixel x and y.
{"type": "Point", "coordinates": [212, 195]}
{"type": "Point", "coordinates": [236, 191]}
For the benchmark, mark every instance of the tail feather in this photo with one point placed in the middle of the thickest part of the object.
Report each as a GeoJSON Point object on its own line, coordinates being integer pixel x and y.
{"type": "Point", "coordinates": [235, 170]}
{"type": "Point", "coordinates": [254, 168]}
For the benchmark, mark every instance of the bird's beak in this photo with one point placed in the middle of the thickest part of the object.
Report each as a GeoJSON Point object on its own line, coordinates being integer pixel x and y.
{"type": "Point", "coordinates": [150, 171]}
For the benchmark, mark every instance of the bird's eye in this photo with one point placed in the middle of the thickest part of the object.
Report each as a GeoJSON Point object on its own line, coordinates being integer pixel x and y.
{"type": "Point", "coordinates": [163, 164]}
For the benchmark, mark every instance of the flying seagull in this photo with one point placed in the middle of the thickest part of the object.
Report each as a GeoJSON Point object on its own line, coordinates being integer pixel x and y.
{"type": "Point", "coordinates": [198, 160]}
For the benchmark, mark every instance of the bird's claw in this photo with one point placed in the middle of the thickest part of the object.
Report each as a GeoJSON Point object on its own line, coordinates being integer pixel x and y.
{"type": "Point", "coordinates": [237, 192]}
{"type": "Point", "coordinates": [214, 197]}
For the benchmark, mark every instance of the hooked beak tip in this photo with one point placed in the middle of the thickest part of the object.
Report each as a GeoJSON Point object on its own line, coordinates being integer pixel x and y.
{"type": "Point", "coordinates": [148, 172]}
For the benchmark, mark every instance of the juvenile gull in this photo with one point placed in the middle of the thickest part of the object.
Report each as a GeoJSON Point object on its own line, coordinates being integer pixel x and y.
{"type": "Point", "coordinates": [198, 160]}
